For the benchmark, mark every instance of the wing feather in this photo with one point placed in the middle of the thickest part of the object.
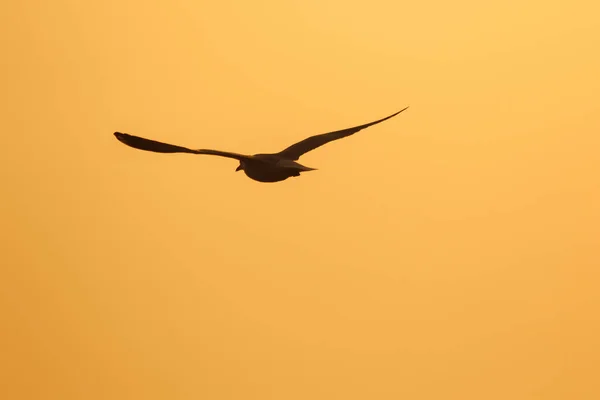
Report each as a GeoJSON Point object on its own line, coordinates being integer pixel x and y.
{"type": "Point", "coordinates": [294, 151]}
{"type": "Point", "coordinates": [160, 147]}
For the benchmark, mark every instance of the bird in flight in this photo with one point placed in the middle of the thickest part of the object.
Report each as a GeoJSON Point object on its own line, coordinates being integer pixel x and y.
{"type": "Point", "coordinates": [273, 167]}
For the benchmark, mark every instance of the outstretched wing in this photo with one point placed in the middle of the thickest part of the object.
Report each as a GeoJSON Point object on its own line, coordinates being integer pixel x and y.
{"type": "Point", "coordinates": [160, 147]}
{"type": "Point", "coordinates": [296, 150]}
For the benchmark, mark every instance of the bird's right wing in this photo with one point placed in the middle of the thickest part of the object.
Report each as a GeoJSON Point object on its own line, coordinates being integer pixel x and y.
{"type": "Point", "coordinates": [160, 147]}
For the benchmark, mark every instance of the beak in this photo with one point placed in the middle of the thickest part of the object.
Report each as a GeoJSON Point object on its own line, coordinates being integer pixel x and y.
{"type": "Point", "coordinates": [239, 168]}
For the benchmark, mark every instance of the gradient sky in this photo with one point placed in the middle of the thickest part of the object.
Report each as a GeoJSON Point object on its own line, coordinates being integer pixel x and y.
{"type": "Point", "coordinates": [448, 253]}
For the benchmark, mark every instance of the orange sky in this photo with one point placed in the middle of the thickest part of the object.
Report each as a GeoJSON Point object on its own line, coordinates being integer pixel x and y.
{"type": "Point", "coordinates": [448, 253]}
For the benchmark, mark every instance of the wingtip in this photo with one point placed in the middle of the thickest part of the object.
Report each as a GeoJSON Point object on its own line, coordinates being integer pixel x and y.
{"type": "Point", "coordinates": [120, 136]}
{"type": "Point", "coordinates": [397, 112]}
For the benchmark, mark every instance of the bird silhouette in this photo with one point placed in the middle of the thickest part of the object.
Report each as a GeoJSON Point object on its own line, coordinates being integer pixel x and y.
{"type": "Point", "coordinates": [273, 167]}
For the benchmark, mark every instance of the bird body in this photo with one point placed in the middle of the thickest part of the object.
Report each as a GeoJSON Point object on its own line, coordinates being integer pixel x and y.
{"type": "Point", "coordinates": [267, 167]}
{"type": "Point", "coordinates": [270, 168]}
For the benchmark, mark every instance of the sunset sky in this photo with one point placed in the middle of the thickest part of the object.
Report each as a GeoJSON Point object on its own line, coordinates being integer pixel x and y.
{"type": "Point", "coordinates": [451, 252]}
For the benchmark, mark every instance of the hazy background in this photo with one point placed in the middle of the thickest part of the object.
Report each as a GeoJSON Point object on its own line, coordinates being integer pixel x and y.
{"type": "Point", "coordinates": [448, 253]}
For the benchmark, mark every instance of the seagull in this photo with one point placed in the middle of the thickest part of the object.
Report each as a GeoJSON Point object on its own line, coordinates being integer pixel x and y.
{"type": "Point", "coordinates": [272, 167]}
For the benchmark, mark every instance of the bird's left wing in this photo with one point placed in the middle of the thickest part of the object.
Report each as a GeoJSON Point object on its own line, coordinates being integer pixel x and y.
{"type": "Point", "coordinates": [296, 150]}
